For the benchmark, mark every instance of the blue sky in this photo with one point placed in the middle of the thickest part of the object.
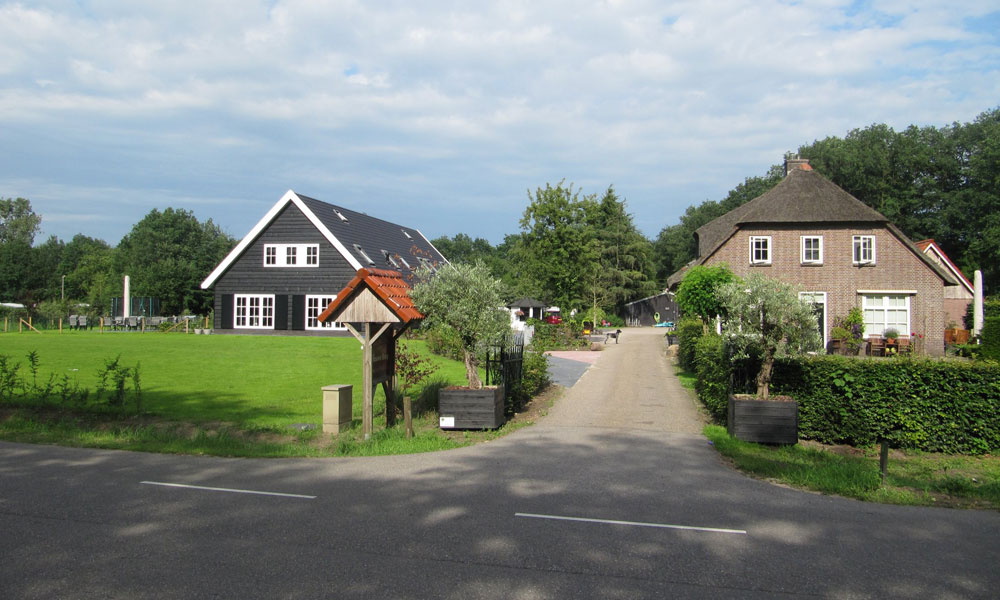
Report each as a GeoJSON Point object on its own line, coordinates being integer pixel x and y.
{"type": "Point", "coordinates": [442, 115]}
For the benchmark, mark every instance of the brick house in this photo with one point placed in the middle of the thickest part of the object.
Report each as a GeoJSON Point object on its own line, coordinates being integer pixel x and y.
{"type": "Point", "coordinates": [842, 253]}
{"type": "Point", "coordinates": [292, 264]}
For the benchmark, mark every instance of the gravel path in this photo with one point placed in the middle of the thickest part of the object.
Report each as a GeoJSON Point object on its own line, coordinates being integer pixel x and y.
{"type": "Point", "coordinates": [631, 386]}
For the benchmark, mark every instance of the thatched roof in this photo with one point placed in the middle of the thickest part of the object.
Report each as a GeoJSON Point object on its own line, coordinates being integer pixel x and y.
{"type": "Point", "coordinates": [803, 196]}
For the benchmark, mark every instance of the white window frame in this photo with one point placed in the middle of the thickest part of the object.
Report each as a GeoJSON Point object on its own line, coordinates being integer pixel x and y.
{"type": "Point", "coordinates": [877, 327]}
{"type": "Point", "coordinates": [858, 254]}
{"type": "Point", "coordinates": [253, 311]}
{"type": "Point", "coordinates": [806, 260]}
{"type": "Point", "coordinates": [754, 239]}
{"type": "Point", "coordinates": [289, 255]}
{"type": "Point", "coordinates": [315, 304]}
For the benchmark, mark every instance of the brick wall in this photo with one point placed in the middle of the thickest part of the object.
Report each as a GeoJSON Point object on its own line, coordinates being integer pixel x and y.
{"type": "Point", "coordinates": [896, 268]}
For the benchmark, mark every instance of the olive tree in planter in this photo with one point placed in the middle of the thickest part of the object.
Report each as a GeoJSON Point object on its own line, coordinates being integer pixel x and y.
{"type": "Point", "coordinates": [766, 319]}
{"type": "Point", "coordinates": [467, 301]}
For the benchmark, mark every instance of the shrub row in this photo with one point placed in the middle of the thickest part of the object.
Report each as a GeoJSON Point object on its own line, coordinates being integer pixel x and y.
{"type": "Point", "coordinates": [933, 405]}
{"type": "Point", "coordinates": [689, 331]}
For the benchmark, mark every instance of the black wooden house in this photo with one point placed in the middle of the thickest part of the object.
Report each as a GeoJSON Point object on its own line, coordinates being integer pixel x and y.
{"type": "Point", "coordinates": [291, 265]}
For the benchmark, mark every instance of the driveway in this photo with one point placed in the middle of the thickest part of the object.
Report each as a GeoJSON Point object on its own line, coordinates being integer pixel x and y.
{"type": "Point", "coordinates": [614, 494]}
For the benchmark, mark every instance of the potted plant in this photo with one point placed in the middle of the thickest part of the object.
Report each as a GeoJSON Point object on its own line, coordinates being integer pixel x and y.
{"type": "Point", "coordinates": [463, 300]}
{"type": "Point", "coordinates": [839, 337]}
{"type": "Point", "coordinates": [764, 317]}
{"type": "Point", "coordinates": [891, 336]}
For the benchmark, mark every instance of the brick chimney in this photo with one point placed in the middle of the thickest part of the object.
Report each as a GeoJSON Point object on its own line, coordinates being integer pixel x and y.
{"type": "Point", "coordinates": [794, 162]}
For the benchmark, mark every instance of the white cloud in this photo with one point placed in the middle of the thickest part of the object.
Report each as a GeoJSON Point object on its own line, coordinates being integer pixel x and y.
{"type": "Point", "coordinates": [462, 105]}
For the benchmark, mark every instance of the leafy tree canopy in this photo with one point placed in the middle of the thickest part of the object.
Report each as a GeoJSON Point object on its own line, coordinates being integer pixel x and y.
{"type": "Point", "coordinates": [18, 222]}
{"type": "Point", "coordinates": [167, 254]}
{"type": "Point", "coordinates": [765, 317]}
{"type": "Point", "coordinates": [698, 293]}
{"type": "Point", "coordinates": [467, 300]}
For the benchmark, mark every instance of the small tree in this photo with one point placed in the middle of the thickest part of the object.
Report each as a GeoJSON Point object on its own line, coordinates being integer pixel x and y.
{"type": "Point", "coordinates": [467, 300]}
{"type": "Point", "coordinates": [765, 316]}
{"type": "Point", "coordinates": [698, 292]}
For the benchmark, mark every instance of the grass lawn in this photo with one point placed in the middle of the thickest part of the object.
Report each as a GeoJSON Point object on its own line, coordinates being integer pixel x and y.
{"type": "Point", "coordinates": [220, 394]}
{"type": "Point", "coordinates": [261, 381]}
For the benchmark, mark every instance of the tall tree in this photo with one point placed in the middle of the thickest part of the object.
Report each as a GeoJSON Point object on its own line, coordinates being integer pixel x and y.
{"type": "Point", "coordinates": [18, 222]}
{"type": "Point", "coordinates": [625, 268]}
{"type": "Point", "coordinates": [558, 243]}
{"type": "Point", "coordinates": [167, 255]}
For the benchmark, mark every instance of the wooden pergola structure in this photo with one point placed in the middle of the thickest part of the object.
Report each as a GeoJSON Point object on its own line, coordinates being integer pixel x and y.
{"type": "Point", "coordinates": [376, 308]}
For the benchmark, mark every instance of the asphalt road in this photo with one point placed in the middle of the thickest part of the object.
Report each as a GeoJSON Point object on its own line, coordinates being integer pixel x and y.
{"type": "Point", "coordinates": [589, 503]}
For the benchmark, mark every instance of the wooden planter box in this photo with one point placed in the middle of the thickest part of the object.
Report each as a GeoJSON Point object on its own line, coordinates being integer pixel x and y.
{"type": "Point", "coordinates": [464, 408]}
{"type": "Point", "coordinates": [770, 422]}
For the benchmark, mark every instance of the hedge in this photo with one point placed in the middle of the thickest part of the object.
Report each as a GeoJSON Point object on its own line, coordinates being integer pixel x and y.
{"type": "Point", "coordinates": [713, 375]}
{"type": "Point", "coordinates": [989, 345]}
{"type": "Point", "coordinates": [927, 404]}
{"type": "Point", "coordinates": [688, 333]}
{"type": "Point", "coordinates": [932, 405]}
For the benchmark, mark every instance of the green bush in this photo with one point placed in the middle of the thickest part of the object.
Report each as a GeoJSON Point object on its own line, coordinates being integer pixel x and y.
{"type": "Point", "coordinates": [534, 379]}
{"type": "Point", "coordinates": [713, 370]}
{"type": "Point", "coordinates": [931, 405]}
{"type": "Point", "coordinates": [989, 339]}
{"type": "Point", "coordinates": [549, 336]}
{"type": "Point", "coordinates": [688, 333]}
{"type": "Point", "coordinates": [443, 342]}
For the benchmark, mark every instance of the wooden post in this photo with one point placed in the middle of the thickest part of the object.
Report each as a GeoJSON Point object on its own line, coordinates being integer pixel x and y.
{"type": "Point", "coordinates": [185, 325]}
{"type": "Point", "coordinates": [883, 459]}
{"type": "Point", "coordinates": [5, 324]}
{"type": "Point", "coordinates": [408, 417]}
{"type": "Point", "coordinates": [206, 321]}
{"type": "Point", "coordinates": [366, 366]}
{"type": "Point", "coordinates": [20, 325]}
{"type": "Point", "coordinates": [60, 324]}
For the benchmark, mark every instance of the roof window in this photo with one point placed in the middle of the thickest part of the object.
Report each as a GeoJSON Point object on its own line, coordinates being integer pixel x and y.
{"type": "Point", "coordinates": [363, 254]}
{"type": "Point", "coordinates": [389, 258]}
{"type": "Point", "coordinates": [407, 234]}
{"type": "Point", "coordinates": [341, 215]}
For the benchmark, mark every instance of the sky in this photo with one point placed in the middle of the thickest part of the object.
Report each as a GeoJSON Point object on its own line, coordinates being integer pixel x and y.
{"type": "Point", "coordinates": [444, 115]}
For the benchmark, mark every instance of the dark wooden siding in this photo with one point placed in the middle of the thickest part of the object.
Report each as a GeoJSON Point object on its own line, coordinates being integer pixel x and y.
{"type": "Point", "coordinates": [247, 275]}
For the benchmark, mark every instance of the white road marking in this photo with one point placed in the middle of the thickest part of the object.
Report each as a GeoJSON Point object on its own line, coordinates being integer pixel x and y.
{"type": "Point", "coordinates": [632, 523]}
{"type": "Point", "coordinates": [218, 489]}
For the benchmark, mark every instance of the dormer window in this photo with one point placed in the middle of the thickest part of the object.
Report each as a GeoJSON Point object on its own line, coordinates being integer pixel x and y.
{"type": "Point", "coordinates": [864, 250]}
{"type": "Point", "coordinates": [760, 250]}
{"type": "Point", "coordinates": [363, 254]}
{"type": "Point", "coordinates": [290, 255]}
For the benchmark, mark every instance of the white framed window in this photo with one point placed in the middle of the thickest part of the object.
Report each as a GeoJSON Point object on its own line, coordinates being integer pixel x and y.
{"type": "Point", "coordinates": [886, 311]}
{"type": "Point", "coordinates": [760, 250]}
{"type": "Point", "coordinates": [390, 259]}
{"type": "Point", "coordinates": [864, 250]}
{"type": "Point", "coordinates": [253, 311]}
{"type": "Point", "coordinates": [812, 249]}
{"type": "Point", "coordinates": [405, 264]}
{"type": "Point", "coordinates": [289, 255]}
{"type": "Point", "coordinates": [315, 304]}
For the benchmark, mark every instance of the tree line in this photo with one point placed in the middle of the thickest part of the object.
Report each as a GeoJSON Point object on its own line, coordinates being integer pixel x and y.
{"type": "Point", "coordinates": [573, 250]}
{"type": "Point", "coordinates": [167, 254]}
